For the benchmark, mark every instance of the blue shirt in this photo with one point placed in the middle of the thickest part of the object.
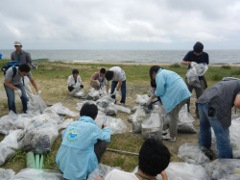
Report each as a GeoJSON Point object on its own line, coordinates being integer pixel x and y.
{"type": "Point", "coordinates": [76, 157]}
{"type": "Point", "coordinates": [171, 89]}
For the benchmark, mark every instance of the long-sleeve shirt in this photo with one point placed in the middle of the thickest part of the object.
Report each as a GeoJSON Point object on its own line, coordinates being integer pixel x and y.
{"type": "Point", "coordinates": [171, 89]}
{"type": "Point", "coordinates": [72, 82]}
{"type": "Point", "coordinates": [221, 97]}
{"type": "Point", "coordinates": [76, 157]}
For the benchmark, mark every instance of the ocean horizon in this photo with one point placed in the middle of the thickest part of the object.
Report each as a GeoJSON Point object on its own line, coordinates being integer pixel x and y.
{"type": "Point", "coordinates": [128, 56]}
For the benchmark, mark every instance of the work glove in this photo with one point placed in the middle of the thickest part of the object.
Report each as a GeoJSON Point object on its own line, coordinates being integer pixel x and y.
{"type": "Point", "coordinates": [116, 92]}
{"type": "Point", "coordinates": [81, 86]}
{"type": "Point", "coordinates": [19, 92]}
{"type": "Point", "coordinates": [149, 101]}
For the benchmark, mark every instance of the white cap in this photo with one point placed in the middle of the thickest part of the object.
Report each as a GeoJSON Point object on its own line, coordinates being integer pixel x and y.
{"type": "Point", "coordinates": [17, 43]}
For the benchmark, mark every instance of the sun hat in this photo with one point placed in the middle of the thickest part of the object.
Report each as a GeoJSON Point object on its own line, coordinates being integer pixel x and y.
{"type": "Point", "coordinates": [17, 43]}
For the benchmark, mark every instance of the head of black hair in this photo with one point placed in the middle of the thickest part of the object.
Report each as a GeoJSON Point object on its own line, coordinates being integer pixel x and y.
{"type": "Point", "coordinates": [153, 69]}
{"type": "Point", "coordinates": [89, 110]}
{"type": "Point", "coordinates": [109, 75]}
{"type": "Point", "coordinates": [75, 71]}
{"type": "Point", "coordinates": [153, 157]}
{"type": "Point", "coordinates": [24, 68]}
{"type": "Point", "coordinates": [198, 47]}
{"type": "Point", "coordinates": [103, 70]}
{"type": "Point", "coordinates": [153, 83]}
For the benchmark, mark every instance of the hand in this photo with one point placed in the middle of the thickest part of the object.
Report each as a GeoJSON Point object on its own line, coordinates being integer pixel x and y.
{"type": "Point", "coordinates": [39, 92]}
{"type": "Point", "coordinates": [19, 92]}
{"type": "Point", "coordinates": [81, 86]}
{"type": "Point", "coordinates": [149, 101]}
{"type": "Point", "coordinates": [115, 92]}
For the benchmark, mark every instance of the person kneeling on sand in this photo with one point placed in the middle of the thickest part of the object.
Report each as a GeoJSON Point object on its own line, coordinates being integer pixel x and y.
{"type": "Point", "coordinates": [83, 144]}
{"type": "Point", "coordinates": [173, 93]}
{"type": "Point", "coordinates": [74, 82]}
{"type": "Point", "coordinates": [153, 159]}
{"type": "Point", "coordinates": [98, 80]}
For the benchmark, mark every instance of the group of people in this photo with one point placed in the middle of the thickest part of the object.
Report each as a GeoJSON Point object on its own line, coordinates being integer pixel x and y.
{"type": "Point", "coordinates": [101, 80]}
{"type": "Point", "coordinates": [83, 142]}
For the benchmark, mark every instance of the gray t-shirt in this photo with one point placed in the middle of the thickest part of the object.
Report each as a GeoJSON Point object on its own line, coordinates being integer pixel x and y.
{"type": "Point", "coordinates": [118, 73]}
{"type": "Point", "coordinates": [17, 79]}
{"type": "Point", "coordinates": [23, 56]}
{"type": "Point", "coordinates": [221, 97]}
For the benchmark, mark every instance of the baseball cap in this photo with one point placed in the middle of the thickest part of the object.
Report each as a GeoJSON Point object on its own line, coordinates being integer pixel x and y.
{"type": "Point", "coordinates": [17, 43]}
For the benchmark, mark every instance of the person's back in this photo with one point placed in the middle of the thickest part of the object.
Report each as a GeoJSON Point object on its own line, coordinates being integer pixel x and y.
{"type": "Point", "coordinates": [76, 157]}
{"type": "Point", "coordinates": [153, 159]}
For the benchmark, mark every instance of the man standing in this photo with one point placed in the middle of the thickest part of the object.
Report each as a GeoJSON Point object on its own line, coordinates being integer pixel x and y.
{"type": "Point", "coordinates": [13, 82]}
{"type": "Point", "coordinates": [173, 93]}
{"type": "Point", "coordinates": [215, 108]}
{"type": "Point", "coordinates": [22, 56]}
{"type": "Point", "coordinates": [118, 77]}
{"type": "Point", "coordinates": [83, 144]}
{"type": "Point", "coordinates": [196, 55]}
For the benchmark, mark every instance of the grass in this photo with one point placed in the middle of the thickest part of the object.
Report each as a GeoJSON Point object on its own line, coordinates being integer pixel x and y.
{"type": "Point", "coordinates": [52, 76]}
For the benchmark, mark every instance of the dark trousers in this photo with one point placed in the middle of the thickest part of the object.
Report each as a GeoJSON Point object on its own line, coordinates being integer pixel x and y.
{"type": "Point", "coordinates": [99, 148]}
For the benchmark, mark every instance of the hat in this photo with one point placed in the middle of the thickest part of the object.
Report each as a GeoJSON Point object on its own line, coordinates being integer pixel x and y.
{"type": "Point", "coordinates": [198, 47]}
{"type": "Point", "coordinates": [17, 43]}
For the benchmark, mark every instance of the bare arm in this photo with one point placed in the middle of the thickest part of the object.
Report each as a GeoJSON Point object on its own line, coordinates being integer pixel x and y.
{"type": "Point", "coordinates": [164, 175]}
{"type": "Point", "coordinates": [119, 84]}
{"type": "Point", "coordinates": [185, 62]}
{"type": "Point", "coordinates": [10, 85]}
{"type": "Point", "coordinates": [34, 84]}
{"type": "Point", "coordinates": [237, 101]}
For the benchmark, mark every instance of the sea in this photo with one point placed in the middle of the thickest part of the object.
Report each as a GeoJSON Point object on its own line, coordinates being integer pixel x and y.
{"type": "Point", "coordinates": [127, 56]}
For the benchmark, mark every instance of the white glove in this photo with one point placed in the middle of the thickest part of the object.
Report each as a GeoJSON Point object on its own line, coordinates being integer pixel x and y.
{"type": "Point", "coordinates": [19, 92]}
{"type": "Point", "coordinates": [39, 92]}
{"type": "Point", "coordinates": [116, 92]}
{"type": "Point", "coordinates": [149, 101]}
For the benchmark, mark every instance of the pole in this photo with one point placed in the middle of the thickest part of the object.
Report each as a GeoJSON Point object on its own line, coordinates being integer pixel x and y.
{"type": "Point", "coordinates": [121, 151]}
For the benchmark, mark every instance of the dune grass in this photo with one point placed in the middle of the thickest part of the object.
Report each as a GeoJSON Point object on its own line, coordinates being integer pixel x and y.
{"type": "Point", "coordinates": [52, 76]}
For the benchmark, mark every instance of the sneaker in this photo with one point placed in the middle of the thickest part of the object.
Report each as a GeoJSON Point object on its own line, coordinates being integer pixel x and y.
{"type": "Point", "coordinates": [208, 152]}
{"type": "Point", "coordinates": [165, 132]}
{"type": "Point", "coordinates": [169, 138]}
{"type": "Point", "coordinates": [122, 104]}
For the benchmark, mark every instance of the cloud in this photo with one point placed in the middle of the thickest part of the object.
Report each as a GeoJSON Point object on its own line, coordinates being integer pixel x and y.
{"type": "Point", "coordinates": [107, 24]}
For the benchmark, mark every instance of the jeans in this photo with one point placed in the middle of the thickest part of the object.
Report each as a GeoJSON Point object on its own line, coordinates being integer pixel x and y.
{"type": "Point", "coordinates": [123, 90]}
{"type": "Point", "coordinates": [222, 133]}
{"type": "Point", "coordinates": [11, 98]}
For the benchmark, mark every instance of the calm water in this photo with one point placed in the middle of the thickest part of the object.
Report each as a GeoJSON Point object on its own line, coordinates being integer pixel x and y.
{"type": "Point", "coordinates": [138, 56]}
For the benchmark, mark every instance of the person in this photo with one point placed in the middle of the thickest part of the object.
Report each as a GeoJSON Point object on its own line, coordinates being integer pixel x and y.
{"type": "Point", "coordinates": [214, 106]}
{"type": "Point", "coordinates": [98, 80]}
{"type": "Point", "coordinates": [74, 82]}
{"type": "Point", "coordinates": [198, 56]}
{"type": "Point", "coordinates": [14, 83]}
{"type": "Point", "coordinates": [118, 78]}
{"type": "Point", "coordinates": [153, 159]}
{"type": "Point", "coordinates": [83, 144]}
{"type": "Point", "coordinates": [22, 56]}
{"type": "Point", "coordinates": [173, 93]}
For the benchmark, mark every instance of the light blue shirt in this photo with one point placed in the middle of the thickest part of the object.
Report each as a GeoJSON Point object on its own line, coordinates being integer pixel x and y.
{"type": "Point", "coordinates": [171, 89]}
{"type": "Point", "coordinates": [76, 157]}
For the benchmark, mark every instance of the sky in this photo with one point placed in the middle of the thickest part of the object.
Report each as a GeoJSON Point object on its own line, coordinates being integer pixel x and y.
{"type": "Point", "coordinates": [120, 24]}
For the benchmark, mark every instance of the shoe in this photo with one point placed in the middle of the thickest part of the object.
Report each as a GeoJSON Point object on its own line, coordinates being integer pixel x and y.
{"type": "Point", "coordinates": [165, 132]}
{"type": "Point", "coordinates": [122, 104]}
{"type": "Point", "coordinates": [208, 152]}
{"type": "Point", "coordinates": [169, 138]}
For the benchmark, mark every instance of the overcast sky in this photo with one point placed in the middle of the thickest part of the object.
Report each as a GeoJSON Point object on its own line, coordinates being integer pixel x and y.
{"type": "Point", "coordinates": [120, 24]}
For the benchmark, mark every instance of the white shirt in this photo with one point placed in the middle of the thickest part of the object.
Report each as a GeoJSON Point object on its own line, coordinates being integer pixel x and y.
{"type": "Point", "coordinates": [116, 174]}
{"type": "Point", "coordinates": [118, 73]}
{"type": "Point", "coordinates": [71, 80]}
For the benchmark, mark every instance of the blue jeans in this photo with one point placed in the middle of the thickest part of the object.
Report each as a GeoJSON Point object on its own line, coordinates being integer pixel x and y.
{"type": "Point", "coordinates": [222, 133]}
{"type": "Point", "coordinates": [11, 98]}
{"type": "Point", "coordinates": [123, 90]}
